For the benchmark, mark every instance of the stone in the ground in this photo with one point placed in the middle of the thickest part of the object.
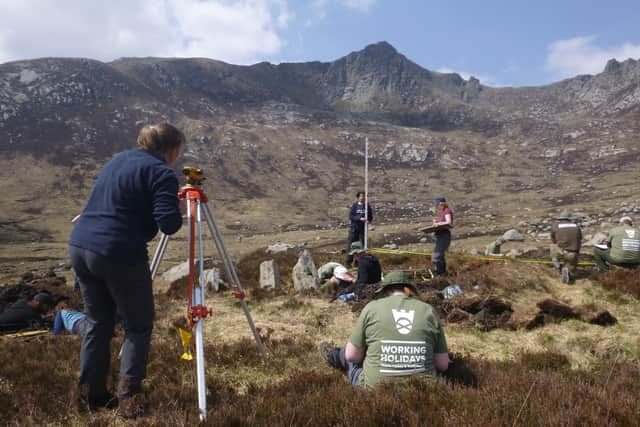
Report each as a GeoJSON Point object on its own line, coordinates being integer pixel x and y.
{"type": "Point", "coordinates": [513, 235]}
{"type": "Point", "coordinates": [304, 274]}
{"type": "Point", "coordinates": [178, 275]}
{"type": "Point", "coordinates": [212, 279]}
{"type": "Point", "coordinates": [269, 275]}
{"type": "Point", "coordinates": [597, 239]}
{"type": "Point", "coordinates": [280, 247]}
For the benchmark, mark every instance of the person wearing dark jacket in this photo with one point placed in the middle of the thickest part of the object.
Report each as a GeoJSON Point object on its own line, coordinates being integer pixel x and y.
{"type": "Point", "coordinates": [134, 196]}
{"type": "Point", "coordinates": [26, 313]}
{"type": "Point", "coordinates": [357, 220]}
{"type": "Point", "coordinates": [369, 269]}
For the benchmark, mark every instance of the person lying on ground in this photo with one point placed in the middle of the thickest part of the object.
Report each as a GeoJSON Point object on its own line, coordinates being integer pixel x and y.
{"type": "Point", "coordinates": [396, 335]}
{"type": "Point", "coordinates": [333, 275]}
{"type": "Point", "coordinates": [495, 247]}
{"type": "Point", "coordinates": [566, 238]}
{"type": "Point", "coordinates": [622, 248]}
{"type": "Point", "coordinates": [26, 313]}
{"type": "Point", "coordinates": [73, 322]}
{"type": "Point", "coordinates": [369, 269]}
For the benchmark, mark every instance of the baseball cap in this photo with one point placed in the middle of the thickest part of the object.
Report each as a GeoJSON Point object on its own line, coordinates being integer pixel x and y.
{"type": "Point", "coordinates": [439, 200]}
{"type": "Point", "coordinates": [396, 278]}
{"type": "Point", "coordinates": [626, 219]}
{"type": "Point", "coordinates": [356, 248]}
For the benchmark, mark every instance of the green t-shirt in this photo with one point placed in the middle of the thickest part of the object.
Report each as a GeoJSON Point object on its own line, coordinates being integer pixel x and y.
{"type": "Point", "coordinates": [401, 335]}
{"type": "Point", "coordinates": [625, 244]}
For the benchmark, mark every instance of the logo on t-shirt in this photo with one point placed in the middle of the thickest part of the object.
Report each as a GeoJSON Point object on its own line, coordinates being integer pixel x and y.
{"type": "Point", "coordinates": [630, 233]}
{"type": "Point", "coordinates": [404, 320]}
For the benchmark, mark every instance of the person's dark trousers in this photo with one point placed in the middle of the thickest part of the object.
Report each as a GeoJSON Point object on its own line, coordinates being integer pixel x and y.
{"type": "Point", "coordinates": [601, 258]}
{"type": "Point", "coordinates": [355, 235]}
{"type": "Point", "coordinates": [108, 287]}
{"type": "Point", "coordinates": [352, 370]}
{"type": "Point", "coordinates": [442, 240]}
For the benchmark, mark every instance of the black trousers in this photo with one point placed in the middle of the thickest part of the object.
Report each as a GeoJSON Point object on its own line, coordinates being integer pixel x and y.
{"type": "Point", "coordinates": [113, 288]}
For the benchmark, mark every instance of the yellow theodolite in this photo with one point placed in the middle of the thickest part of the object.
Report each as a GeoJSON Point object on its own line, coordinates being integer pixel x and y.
{"type": "Point", "coordinates": [194, 175]}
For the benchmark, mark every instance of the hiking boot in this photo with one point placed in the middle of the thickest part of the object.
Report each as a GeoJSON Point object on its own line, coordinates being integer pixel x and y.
{"type": "Point", "coordinates": [107, 401]}
{"type": "Point", "coordinates": [132, 407]}
{"type": "Point", "coordinates": [331, 354]}
{"type": "Point", "coordinates": [566, 276]}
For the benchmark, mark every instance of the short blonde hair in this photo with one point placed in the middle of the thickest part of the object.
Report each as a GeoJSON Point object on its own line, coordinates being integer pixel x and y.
{"type": "Point", "coordinates": [160, 138]}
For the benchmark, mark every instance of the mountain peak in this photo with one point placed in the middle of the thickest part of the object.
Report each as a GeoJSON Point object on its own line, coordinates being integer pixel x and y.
{"type": "Point", "coordinates": [382, 48]}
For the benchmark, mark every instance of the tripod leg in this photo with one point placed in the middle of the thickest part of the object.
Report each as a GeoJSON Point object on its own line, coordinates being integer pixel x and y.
{"type": "Point", "coordinates": [158, 255]}
{"type": "Point", "coordinates": [198, 299]}
{"type": "Point", "coordinates": [231, 272]}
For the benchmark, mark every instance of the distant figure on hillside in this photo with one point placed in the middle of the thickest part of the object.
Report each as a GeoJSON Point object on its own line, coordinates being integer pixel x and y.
{"type": "Point", "coordinates": [566, 238]}
{"type": "Point", "coordinates": [622, 248]}
{"type": "Point", "coordinates": [495, 247]}
{"type": "Point", "coordinates": [442, 237]}
{"type": "Point", "coordinates": [73, 322]}
{"type": "Point", "coordinates": [369, 269]}
{"type": "Point", "coordinates": [396, 335]}
{"type": "Point", "coordinates": [26, 313]}
{"type": "Point", "coordinates": [357, 220]}
{"type": "Point", "coordinates": [134, 196]}
{"type": "Point", "coordinates": [334, 275]}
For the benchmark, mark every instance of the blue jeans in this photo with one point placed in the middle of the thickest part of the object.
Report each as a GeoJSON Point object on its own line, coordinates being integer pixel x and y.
{"type": "Point", "coordinates": [352, 370]}
{"type": "Point", "coordinates": [113, 288]}
{"type": "Point", "coordinates": [442, 240]}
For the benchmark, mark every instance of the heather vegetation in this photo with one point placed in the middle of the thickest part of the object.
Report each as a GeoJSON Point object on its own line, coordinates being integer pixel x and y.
{"type": "Point", "coordinates": [566, 371]}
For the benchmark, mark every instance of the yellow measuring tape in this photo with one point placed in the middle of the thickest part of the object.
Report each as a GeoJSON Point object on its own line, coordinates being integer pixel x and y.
{"type": "Point", "coordinates": [474, 257]}
{"type": "Point", "coordinates": [26, 333]}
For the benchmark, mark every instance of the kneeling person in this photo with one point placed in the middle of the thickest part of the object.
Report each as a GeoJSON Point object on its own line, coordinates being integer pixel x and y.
{"type": "Point", "coordinates": [395, 336]}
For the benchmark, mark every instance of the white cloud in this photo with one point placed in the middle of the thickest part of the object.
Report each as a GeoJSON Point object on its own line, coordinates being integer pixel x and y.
{"type": "Point", "coordinates": [580, 55]}
{"type": "Point", "coordinates": [485, 79]}
{"type": "Point", "coordinates": [238, 32]}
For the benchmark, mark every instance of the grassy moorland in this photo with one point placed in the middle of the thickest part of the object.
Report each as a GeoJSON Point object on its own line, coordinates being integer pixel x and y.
{"type": "Point", "coordinates": [566, 369]}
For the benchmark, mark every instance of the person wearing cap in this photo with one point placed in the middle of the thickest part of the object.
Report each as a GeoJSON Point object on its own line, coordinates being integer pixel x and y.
{"type": "Point", "coordinates": [566, 238]}
{"type": "Point", "coordinates": [494, 248]}
{"type": "Point", "coordinates": [441, 237]}
{"type": "Point", "coordinates": [334, 275]}
{"type": "Point", "coordinates": [26, 313]}
{"type": "Point", "coordinates": [623, 247]}
{"type": "Point", "coordinates": [357, 220]}
{"type": "Point", "coordinates": [369, 269]}
{"type": "Point", "coordinates": [396, 335]}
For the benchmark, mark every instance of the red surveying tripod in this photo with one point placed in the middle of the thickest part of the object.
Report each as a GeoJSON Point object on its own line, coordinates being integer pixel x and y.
{"type": "Point", "coordinates": [197, 311]}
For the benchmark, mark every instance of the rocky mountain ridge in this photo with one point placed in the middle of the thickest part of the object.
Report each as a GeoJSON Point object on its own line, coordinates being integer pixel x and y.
{"type": "Point", "coordinates": [280, 137]}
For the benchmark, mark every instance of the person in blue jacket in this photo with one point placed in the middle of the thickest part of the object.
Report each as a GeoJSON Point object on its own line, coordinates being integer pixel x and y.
{"type": "Point", "coordinates": [357, 220]}
{"type": "Point", "coordinates": [134, 196]}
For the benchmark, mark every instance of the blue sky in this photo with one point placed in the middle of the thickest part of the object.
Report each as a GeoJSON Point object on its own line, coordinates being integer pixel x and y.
{"type": "Point", "coordinates": [500, 42]}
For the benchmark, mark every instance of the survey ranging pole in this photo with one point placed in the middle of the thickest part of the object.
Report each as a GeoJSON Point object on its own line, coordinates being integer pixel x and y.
{"type": "Point", "coordinates": [366, 192]}
{"type": "Point", "coordinates": [197, 310]}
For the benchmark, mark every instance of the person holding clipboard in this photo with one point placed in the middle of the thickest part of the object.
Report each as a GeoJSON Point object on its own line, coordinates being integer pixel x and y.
{"type": "Point", "coordinates": [441, 236]}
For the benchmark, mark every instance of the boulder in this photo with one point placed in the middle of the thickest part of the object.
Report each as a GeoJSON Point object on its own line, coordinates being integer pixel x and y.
{"type": "Point", "coordinates": [269, 275]}
{"type": "Point", "coordinates": [304, 274]}
{"type": "Point", "coordinates": [178, 275]}
{"type": "Point", "coordinates": [212, 279]}
{"type": "Point", "coordinates": [513, 235]}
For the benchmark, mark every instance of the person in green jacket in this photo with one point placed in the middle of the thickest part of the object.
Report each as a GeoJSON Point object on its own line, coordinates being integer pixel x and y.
{"type": "Point", "coordinates": [623, 247]}
{"type": "Point", "coordinates": [396, 335]}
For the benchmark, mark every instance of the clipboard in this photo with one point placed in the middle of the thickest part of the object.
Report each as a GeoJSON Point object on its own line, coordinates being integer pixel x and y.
{"type": "Point", "coordinates": [434, 228]}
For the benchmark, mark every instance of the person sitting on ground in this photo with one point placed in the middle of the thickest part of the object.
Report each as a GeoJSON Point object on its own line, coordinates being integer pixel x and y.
{"type": "Point", "coordinates": [566, 238]}
{"type": "Point", "coordinates": [26, 313]}
{"type": "Point", "coordinates": [395, 336]}
{"type": "Point", "coordinates": [369, 269]}
{"type": "Point", "coordinates": [334, 275]}
{"type": "Point", "coordinates": [622, 249]}
{"type": "Point", "coordinates": [441, 237]}
{"type": "Point", "coordinates": [495, 247]}
{"type": "Point", "coordinates": [73, 322]}
{"type": "Point", "coordinates": [357, 224]}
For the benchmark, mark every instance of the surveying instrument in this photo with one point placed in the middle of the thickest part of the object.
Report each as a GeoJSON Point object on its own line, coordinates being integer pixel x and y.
{"type": "Point", "coordinates": [197, 311]}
